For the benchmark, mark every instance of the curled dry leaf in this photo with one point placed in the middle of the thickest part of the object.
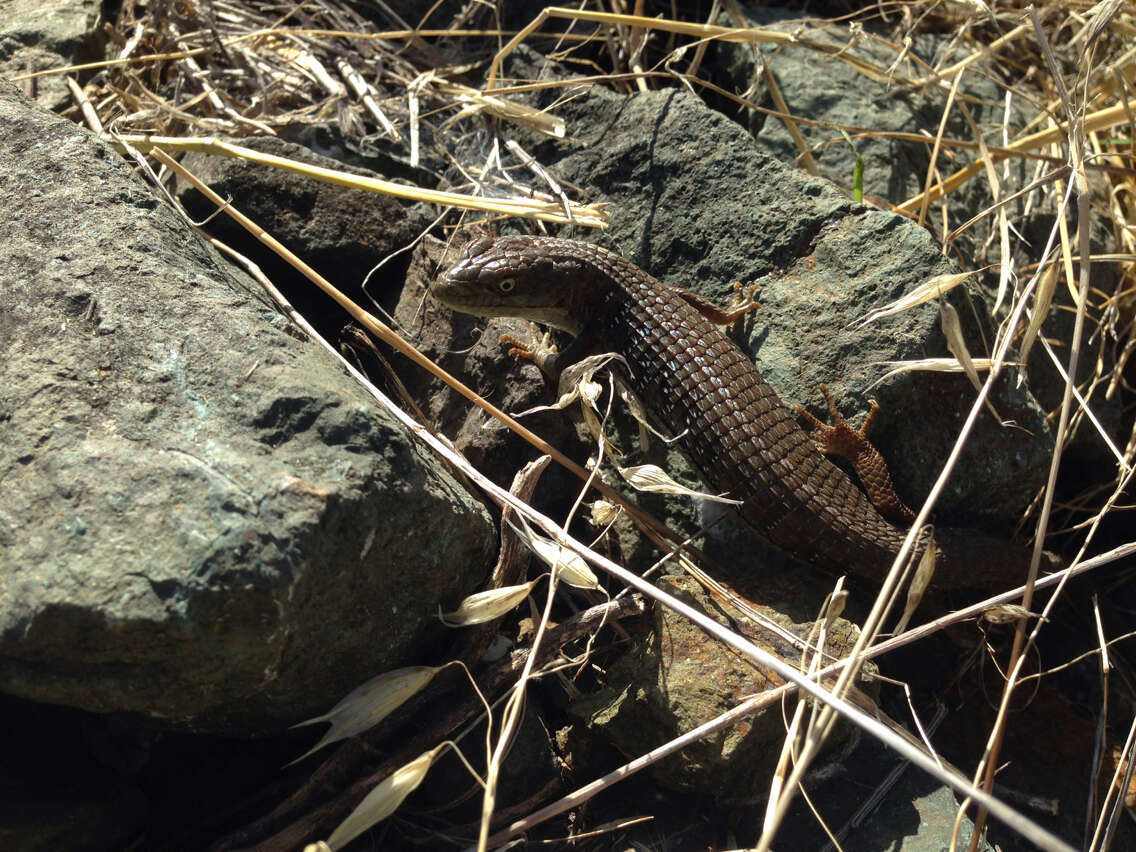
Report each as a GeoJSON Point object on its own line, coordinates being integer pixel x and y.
{"type": "Point", "coordinates": [835, 608]}
{"type": "Point", "coordinates": [577, 382]}
{"type": "Point", "coordinates": [580, 378]}
{"type": "Point", "coordinates": [367, 705]}
{"type": "Point", "coordinates": [1006, 613]}
{"type": "Point", "coordinates": [930, 289]}
{"type": "Point", "coordinates": [932, 365]}
{"type": "Point", "coordinates": [476, 101]}
{"type": "Point", "coordinates": [1100, 16]}
{"type": "Point", "coordinates": [568, 566]}
{"type": "Point", "coordinates": [952, 331]}
{"type": "Point", "coordinates": [603, 512]}
{"type": "Point", "coordinates": [924, 571]}
{"type": "Point", "coordinates": [384, 800]}
{"type": "Point", "coordinates": [1042, 301]}
{"type": "Point", "coordinates": [651, 477]}
{"type": "Point", "coordinates": [488, 605]}
{"type": "Point", "coordinates": [636, 409]}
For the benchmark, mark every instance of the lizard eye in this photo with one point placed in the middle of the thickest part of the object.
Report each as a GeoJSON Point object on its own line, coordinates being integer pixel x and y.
{"type": "Point", "coordinates": [506, 285]}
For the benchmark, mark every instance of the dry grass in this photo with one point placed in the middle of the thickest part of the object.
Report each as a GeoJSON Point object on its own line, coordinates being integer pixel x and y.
{"type": "Point", "coordinates": [184, 70]}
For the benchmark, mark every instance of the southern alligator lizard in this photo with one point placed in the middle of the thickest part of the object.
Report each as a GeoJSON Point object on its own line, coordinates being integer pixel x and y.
{"type": "Point", "coordinates": [695, 381]}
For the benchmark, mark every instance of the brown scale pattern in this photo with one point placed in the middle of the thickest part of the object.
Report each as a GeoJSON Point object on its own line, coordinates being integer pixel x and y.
{"type": "Point", "coordinates": [697, 383]}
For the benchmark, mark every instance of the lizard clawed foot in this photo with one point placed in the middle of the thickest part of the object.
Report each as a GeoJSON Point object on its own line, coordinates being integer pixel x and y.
{"type": "Point", "coordinates": [840, 439]}
{"type": "Point", "coordinates": [745, 297]}
{"type": "Point", "coordinates": [739, 306]}
{"type": "Point", "coordinates": [539, 348]}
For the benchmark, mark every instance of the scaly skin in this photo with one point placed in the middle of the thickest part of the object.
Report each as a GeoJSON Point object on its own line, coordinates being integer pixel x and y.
{"type": "Point", "coordinates": [699, 385]}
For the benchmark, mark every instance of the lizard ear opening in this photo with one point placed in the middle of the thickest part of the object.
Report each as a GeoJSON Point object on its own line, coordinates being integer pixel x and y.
{"type": "Point", "coordinates": [506, 285]}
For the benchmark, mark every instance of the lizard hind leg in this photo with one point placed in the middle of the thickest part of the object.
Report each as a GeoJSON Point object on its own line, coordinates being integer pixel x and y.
{"type": "Point", "coordinates": [744, 302]}
{"type": "Point", "coordinates": [840, 439]}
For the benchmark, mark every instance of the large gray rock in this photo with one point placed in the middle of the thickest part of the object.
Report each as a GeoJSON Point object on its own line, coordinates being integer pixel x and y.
{"type": "Point", "coordinates": [824, 88]}
{"type": "Point", "coordinates": [203, 518]}
{"type": "Point", "coordinates": [36, 35]}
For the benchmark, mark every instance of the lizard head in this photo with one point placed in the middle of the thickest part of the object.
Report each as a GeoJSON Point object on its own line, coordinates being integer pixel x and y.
{"type": "Point", "coordinates": [541, 279]}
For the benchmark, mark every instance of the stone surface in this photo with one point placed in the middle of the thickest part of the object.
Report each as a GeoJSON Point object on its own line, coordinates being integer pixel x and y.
{"type": "Point", "coordinates": [674, 678]}
{"type": "Point", "coordinates": [825, 88]}
{"type": "Point", "coordinates": [39, 34]}
{"type": "Point", "coordinates": [916, 815]}
{"type": "Point", "coordinates": [204, 520]}
{"type": "Point", "coordinates": [340, 231]}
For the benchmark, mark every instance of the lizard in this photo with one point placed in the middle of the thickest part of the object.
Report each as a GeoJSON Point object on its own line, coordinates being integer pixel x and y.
{"type": "Point", "coordinates": [698, 384]}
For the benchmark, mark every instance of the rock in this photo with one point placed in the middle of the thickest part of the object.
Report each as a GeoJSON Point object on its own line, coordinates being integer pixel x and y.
{"type": "Point", "coordinates": [673, 678]}
{"type": "Point", "coordinates": [39, 34]}
{"type": "Point", "coordinates": [341, 232]}
{"type": "Point", "coordinates": [204, 520]}
{"type": "Point", "coordinates": [825, 88]}
{"type": "Point", "coordinates": [916, 814]}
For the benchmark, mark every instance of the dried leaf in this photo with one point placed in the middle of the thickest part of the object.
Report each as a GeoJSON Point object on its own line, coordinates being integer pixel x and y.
{"type": "Point", "coordinates": [933, 365]}
{"type": "Point", "coordinates": [488, 605]}
{"type": "Point", "coordinates": [835, 608]}
{"type": "Point", "coordinates": [650, 477]}
{"type": "Point", "coordinates": [603, 512]}
{"type": "Point", "coordinates": [579, 378]}
{"type": "Point", "coordinates": [930, 289]}
{"type": "Point", "coordinates": [952, 331]}
{"type": "Point", "coordinates": [569, 566]}
{"type": "Point", "coordinates": [367, 705]}
{"type": "Point", "coordinates": [1100, 16]}
{"type": "Point", "coordinates": [576, 573]}
{"type": "Point", "coordinates": [923, 574]}
{"type": "Point", "coordinates": [1043, 298]}
{"type": "Point", "coordinates": [591, 421]}
{"type": "Point", "coordinates": [384, 800]}
{"type": "Point", "coordinates": [635, 409]}
{"type": "Point", "coordinates": [1006, 613]}
{"type": "Point", "coordinates": [522, 114]}
{"type": "Point", "coordinates": [577, 382]}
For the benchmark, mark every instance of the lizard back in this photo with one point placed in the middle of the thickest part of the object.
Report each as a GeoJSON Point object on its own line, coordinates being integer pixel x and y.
{"type": "Point", "coordinates": [695, 381]}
